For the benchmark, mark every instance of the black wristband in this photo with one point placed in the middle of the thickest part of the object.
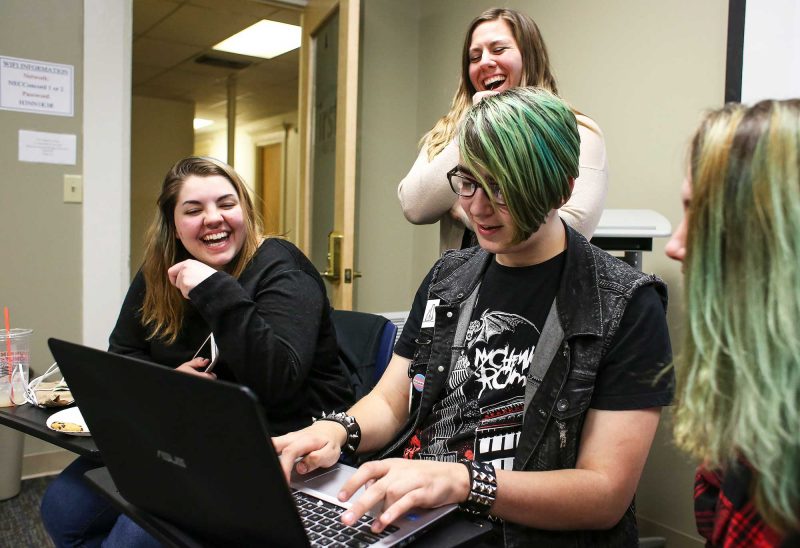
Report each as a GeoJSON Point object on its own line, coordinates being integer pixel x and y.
{"type": "Point", "coordinates": [482, 487]}
{"type": "Point", "coordinates": [350, 425]}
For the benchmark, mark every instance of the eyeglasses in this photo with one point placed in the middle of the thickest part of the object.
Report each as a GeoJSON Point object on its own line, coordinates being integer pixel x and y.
{"type": "Point", "coordinates": [465, 186]}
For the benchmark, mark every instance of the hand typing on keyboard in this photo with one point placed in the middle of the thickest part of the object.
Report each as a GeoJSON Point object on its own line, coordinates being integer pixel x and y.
{"type": "Point", "coordinates": [316, 446]}
{"type": "Point", "coordinates": [321, 520]}
{"type": "Point", "coordinates": [400, 485]}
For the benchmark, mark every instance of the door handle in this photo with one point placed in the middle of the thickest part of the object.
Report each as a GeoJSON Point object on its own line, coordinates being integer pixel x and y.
{"type": "Point", "coordinates": [335, 260]}
{"type": "Point", "coordinates": [334, 257]}
{"type": "Point", "coordinates": [350, 274]}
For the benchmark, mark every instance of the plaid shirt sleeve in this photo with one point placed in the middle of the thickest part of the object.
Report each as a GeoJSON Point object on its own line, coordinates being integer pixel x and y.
{"type": "Point", "coordinates": [724, 512]}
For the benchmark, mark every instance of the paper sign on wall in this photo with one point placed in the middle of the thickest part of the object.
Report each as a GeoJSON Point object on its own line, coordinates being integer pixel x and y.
{"type": "Point", "coordinates": [47, 148]}
{"type": "Point", "coordinates": [36, 86]}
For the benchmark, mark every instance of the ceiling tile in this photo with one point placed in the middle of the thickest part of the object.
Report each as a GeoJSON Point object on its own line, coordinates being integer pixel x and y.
{"type": "Point", "coordinates": [157, 53]}
{"type": "Point", "coordinates": [142, 73]}
{"type": "Point", "coordinates": [289, 17]}
{"type": "Point", "coordinates": [186, 83]}
{"type": "Point", "coordinates": [199, 26]}
{"type": "Point", "coordinates": [176, 32]}
{"type": "Point", "coordinates": [147, 13]}
{"type": "Point", "coordinates": [254, 9]}
{"type": "Point", "coordinates": [157, 91]}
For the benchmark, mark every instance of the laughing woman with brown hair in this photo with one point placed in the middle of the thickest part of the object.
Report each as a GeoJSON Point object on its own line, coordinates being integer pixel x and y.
{"type": "Point", "coordinates": [210, 279]}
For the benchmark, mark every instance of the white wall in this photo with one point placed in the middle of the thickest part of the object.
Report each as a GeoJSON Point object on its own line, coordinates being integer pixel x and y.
{"type": "Point", "coordinates": [771, 56]}
{"type": "Point", "coordinates": [106, 164]}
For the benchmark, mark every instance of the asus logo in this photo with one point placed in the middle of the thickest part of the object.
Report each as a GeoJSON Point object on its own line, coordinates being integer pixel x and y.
{"type": "Point", "coordinates": [166, 457]}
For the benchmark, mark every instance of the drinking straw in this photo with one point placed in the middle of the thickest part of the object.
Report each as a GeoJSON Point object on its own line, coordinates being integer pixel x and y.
{"type": "Point", "coordinates": [8, 348]}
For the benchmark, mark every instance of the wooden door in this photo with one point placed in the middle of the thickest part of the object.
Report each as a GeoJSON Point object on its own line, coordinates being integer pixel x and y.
{"type": "Point", "coordinates": [328, 108]}
{"type": "Point", "coordinates": [271, 158]}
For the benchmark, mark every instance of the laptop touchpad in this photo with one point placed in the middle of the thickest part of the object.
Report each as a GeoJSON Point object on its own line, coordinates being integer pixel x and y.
{"type": "Point", "coordinates": [327, 481]}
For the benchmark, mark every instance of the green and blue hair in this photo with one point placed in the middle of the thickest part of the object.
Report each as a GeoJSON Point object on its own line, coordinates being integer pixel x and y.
{"type": "Point", "coordinates": [526, 140]}
{"type": "Point", "coordinates": [739, 380]}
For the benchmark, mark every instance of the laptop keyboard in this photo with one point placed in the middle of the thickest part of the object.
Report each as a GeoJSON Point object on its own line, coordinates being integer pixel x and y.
{"type": "Point", "coordinates": [324, 528]}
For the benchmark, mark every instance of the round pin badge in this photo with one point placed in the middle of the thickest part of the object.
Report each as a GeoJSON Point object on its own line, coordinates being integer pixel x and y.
{"type": "Point", "coordinates": [418, 381]}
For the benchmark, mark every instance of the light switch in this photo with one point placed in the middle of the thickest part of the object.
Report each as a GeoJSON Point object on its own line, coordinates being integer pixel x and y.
{"type": "Point", "coordinates": [73, 189]}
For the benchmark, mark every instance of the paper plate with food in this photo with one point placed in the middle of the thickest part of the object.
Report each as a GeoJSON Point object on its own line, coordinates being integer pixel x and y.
{"type": "Point", "coordinates": [69, 421]}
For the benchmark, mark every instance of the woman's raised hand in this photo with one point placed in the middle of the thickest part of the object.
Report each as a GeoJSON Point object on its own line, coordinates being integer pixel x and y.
{"type": "Point", "coordinates": [481, 94]}
{"type": "Point", "coordinates": [186, 275]}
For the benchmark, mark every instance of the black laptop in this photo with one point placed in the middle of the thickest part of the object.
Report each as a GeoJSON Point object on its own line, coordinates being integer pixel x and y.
{"type": "Point", "coordinates": [198, 453]}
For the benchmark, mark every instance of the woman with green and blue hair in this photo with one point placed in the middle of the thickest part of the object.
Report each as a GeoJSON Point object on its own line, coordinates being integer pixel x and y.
{"type": "Point", "coordinates": [535, 171]}
{"type": "Point", "coordinates": [739, 378]}
{"type": "Point", "coordinates": [526, 383]}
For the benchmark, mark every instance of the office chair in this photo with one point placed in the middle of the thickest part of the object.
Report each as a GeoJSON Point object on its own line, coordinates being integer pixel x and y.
{"type": "Point", "coordinates": [365, 346]}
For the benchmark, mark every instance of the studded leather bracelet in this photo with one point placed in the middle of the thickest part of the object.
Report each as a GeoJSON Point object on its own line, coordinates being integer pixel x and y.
{"type": "Point", "coordinates": [482, 487]}
{"type": "Point", "coordinates": [351, 425]}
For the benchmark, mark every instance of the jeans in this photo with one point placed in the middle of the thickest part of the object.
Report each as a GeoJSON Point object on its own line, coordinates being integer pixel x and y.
{"type": "Point", "coordinates": [75, 515]}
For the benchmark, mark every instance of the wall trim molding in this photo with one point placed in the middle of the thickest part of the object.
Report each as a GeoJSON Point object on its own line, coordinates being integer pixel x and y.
{"type": "Point", "coordinates": [35, 465]}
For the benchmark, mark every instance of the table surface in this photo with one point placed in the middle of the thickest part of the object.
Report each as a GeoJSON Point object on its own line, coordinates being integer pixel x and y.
{"type": "Point", "coordinates": [637, 223]}
{"type": "Point", "coordinates": [32, 420]}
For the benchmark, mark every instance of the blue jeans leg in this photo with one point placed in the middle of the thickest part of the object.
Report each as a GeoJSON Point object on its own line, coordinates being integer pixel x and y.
{"type": "Point", "coordinates": [126, 534]}
{"type": "Point", "coordinates": [72, 512]}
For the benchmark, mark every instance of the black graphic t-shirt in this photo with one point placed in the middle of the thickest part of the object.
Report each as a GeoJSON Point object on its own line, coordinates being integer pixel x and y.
{"type": "Point", "coordinates": [481, 407]}
{"type": "Point", "coordinates": [480, 413]}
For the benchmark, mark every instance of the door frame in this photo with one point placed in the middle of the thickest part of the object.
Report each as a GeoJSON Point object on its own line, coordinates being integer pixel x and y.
{"type": "Point", "coordinates": [279, 142]}
{"type": "Point", "coordinates": [317, 12]}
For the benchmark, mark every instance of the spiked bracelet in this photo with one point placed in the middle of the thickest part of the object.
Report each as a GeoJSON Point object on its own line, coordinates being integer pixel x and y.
{"type": "Point", "coordinates": [482, 487]}
{"type": "Point", "coordinates": [352, 427]}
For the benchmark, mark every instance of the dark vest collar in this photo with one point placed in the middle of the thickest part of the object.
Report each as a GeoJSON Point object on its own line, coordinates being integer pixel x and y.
{"type": "Point", "coordinates": [579, 307]}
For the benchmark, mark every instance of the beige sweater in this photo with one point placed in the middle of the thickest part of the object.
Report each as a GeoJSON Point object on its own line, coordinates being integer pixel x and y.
{"type": "Point", "coordinates": [426, 196]}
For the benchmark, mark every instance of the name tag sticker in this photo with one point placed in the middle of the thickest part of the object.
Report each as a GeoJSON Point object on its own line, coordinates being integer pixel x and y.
{"type": "Point", "coordinates": [429, 317]}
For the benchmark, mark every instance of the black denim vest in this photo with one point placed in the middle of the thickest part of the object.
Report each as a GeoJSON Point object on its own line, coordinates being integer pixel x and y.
{"type": "Point", "coordinates": [594, 290]}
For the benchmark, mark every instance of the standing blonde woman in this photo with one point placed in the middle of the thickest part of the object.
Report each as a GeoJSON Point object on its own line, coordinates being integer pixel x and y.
{"type": "Point", "coordinates": [739, 380]}
{"type": "Point", "coordinates": [503, 49]}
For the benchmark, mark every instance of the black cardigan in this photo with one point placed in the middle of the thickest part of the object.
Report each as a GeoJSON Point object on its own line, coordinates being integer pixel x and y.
{"type": "Point", "coordinates": [273, 329]}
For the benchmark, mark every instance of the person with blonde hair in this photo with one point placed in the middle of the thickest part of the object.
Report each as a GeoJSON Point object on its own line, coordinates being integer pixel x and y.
{"type": "Point", "coordinates": [212, 287]}
{"type": "Point", "coordinates": [738, 408]}
{"type": "Point", "coordinates": [503, 49]}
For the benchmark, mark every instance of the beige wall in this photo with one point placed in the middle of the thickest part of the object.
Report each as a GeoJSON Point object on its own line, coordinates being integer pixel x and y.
{"type": "Point", "coordinates": [644, 70]}
{"type": "Point", "coordinates": [161, 134]}
{"type": "Point", "coordinates": [388, 133]}
{"type": "Point", "coordinates": [40, 241]}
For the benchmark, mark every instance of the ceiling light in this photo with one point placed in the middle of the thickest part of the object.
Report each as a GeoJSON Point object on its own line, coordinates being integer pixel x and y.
{"type": "Point", "coordinates": [265, 39]}
{"type": "Point", "coordinates": [202, 122]}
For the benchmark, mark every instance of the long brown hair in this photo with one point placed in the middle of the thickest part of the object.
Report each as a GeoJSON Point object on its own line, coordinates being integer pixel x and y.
{"type": "Point", "coordinates": [536, 72]}
{"type": "Point", "coordinates": [163, 308]}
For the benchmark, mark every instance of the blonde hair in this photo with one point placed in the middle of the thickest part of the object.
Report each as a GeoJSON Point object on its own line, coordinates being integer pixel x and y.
{"type": "Point", "coordinates": [535, 72]}
{"type": "Point", "coordinates": [739, 380]}
{"type": "Point", "coordinates": [164, 306]}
